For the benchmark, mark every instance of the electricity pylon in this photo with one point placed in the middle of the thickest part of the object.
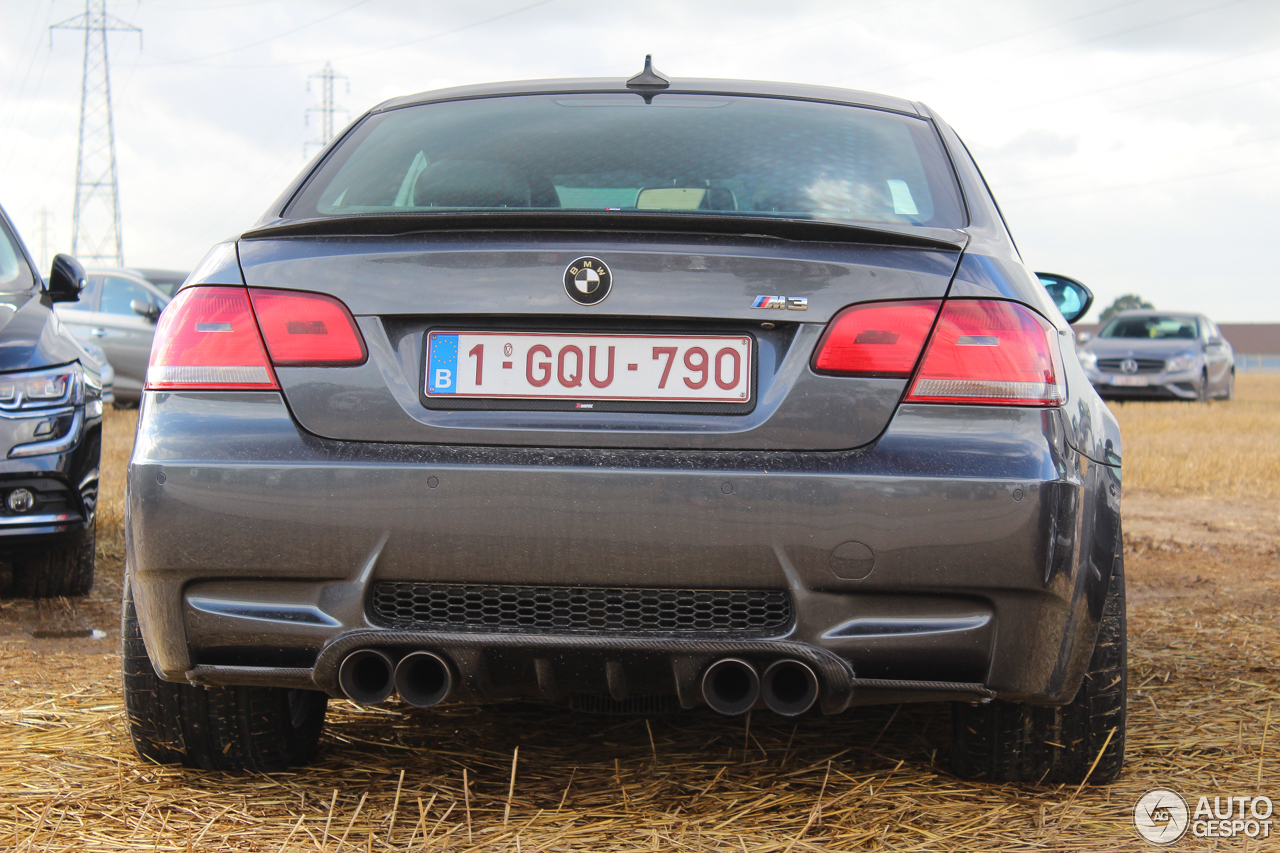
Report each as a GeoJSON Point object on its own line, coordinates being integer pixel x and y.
{"type": "Point", "coordinates": [327, 109]}
{"type": "Point", "coordinates": [95, 219]}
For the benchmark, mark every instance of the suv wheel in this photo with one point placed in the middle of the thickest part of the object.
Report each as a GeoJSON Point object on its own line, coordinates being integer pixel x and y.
{"type": "Point", "coordinates": [261, 729]}
{"type": "Point", "coordinates": [1045, 744]}
{"type": "Point", "coordinates": [65, 568]}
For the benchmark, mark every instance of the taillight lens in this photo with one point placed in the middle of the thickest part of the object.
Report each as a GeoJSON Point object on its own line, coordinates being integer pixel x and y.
{"type": "Point", "coordinates": [307, 329]}
{"type": "Point", "coordinates": [990, 353]}
{"type": "Point", "coordinates": [207, 339]}
{"type": "Point", "coordinates": [876, 339]}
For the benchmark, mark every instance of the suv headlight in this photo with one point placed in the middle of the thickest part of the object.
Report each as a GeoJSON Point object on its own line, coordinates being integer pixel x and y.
{"type": "Point", "coordinates": [39, 389]}
{"type": "Point", "coordinates": [1088, 360]}
{"type": "Point", "coordinates": [1181, 361]}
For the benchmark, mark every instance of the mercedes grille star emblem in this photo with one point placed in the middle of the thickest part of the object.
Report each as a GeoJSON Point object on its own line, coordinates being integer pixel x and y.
{"type": "Point", "coordinates": [1129, 365]}
{"type": "Point", "coordinates": [588, 281]}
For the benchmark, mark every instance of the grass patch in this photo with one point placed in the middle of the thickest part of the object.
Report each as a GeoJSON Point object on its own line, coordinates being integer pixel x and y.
{"type": "Point", "coordinates": [1223, 449]}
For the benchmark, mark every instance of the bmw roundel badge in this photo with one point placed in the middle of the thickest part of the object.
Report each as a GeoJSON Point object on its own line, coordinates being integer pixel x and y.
{"type": "Point", "coordinates": [587, 280]}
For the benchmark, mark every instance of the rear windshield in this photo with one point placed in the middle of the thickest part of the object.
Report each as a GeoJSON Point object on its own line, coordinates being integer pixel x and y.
{"type": "Point", "coordinates": [681, 153]}
{"type": "Point", "coordinates": [14, 275]}
{"type": "Point", "coordinates": [1150, 327]}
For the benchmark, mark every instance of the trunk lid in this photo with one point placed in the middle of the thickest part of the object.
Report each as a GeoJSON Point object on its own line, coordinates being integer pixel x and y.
{"type": "Point", "coordinates": [401, 287]}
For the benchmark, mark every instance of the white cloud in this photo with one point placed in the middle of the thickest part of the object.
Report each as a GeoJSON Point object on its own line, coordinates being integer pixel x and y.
{"type": "Point", "coordinates": [1131, 143]}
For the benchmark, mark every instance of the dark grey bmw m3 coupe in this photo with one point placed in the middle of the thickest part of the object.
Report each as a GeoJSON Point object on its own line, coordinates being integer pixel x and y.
{"type": "Point", "coordinates": [627, 396]}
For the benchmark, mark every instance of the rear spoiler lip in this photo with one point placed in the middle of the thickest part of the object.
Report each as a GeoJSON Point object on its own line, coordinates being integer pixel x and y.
{"type": "Point", "coordinates": [801, 230]}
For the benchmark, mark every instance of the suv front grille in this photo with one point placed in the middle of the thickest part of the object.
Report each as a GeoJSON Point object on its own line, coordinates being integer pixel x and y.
{"type": "Point", "coordinates": [466, 607]}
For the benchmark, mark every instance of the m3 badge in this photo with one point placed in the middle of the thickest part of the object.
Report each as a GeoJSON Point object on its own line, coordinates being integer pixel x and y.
{"type": "Point", "coordinates": [792, 303]}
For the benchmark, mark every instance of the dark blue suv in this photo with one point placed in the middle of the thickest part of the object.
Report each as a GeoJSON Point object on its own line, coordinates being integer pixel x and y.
{"type": "Point", "coordinates": [50, 430]}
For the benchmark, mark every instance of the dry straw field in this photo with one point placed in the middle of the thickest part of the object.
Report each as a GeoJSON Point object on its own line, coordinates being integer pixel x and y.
{"type": "Point", "coordinates": [1203, 573]}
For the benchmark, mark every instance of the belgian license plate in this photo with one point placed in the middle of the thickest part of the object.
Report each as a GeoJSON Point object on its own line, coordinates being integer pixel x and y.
{"type": "Point", "coordinates": [538, 365]}
{"type": "Point", "coordinates": [1129, 380]}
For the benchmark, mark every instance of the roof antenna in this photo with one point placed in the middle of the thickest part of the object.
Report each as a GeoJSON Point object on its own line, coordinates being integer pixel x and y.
{"type": "Point", "coordinates": [648, 82]}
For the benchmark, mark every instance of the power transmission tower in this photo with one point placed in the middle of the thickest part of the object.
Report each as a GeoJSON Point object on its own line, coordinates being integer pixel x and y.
{"type": "Point", "coordinates": [327, 108]}
{"type": "Point", "coordinates": [95, 219]}
{"type": "Point", "coordinates": [44, 238]}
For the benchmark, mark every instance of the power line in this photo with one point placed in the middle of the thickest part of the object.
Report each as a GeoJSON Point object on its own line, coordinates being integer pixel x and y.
{"type": "Point", "coordinates": [397, 46]}
{"type": "Point", "coordinates": [95, 219]}
{"type": "Point", "coordinates": [1257, 167]}
{"type": "Point", "coordinates": [1040, 54]}
{"type": "Point", "coordinates": [915, 61]}
{"type": "Point", "coordinates": [194, 60]}
{"type": "Point", "coordinates": [1140, 80]}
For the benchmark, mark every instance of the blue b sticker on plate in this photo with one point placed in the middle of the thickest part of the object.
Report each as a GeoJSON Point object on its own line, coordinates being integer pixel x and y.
{"type": "Point", "coordinates": [442, 364]}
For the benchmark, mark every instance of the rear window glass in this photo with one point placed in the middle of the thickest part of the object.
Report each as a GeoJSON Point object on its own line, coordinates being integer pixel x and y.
{"type": "Point", "coordinates": [681, 153]}
{"type": "Point", "coordinates": [1151, 327]}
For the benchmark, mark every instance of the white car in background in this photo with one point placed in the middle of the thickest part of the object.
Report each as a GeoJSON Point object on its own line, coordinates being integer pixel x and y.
{"type": "Point", "coordinates": [117, 311]}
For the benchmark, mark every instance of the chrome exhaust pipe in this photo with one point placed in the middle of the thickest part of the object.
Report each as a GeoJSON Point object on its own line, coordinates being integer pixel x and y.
{"type": "Point", "coordinates": [790, 687]}
{"type": "Point", "coordinates": [731, 686]}
{"type": "Point", "coordinates": [365, 676]}
{"type": "Point", "coordinates": [423, 679]}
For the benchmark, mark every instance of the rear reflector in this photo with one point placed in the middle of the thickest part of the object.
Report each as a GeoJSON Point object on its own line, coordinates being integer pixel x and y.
{"type": "Point", "coordinates": [990, 353]}
{"type": "Point", "coordinates": [207, 339]}
{"type": "Point", "coordinates": [876, 339]}
{"type": "Point", "coordinates": [307, 329]}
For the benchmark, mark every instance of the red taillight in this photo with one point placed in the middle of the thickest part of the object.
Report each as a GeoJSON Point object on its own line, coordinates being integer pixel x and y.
{"type": "Point", "coordinates": [207, 339]}
{"type": "Point", "coordinates": [990, 353]}
{"type": "Point", "coordinates": [876, 339]}
{"type": "Point", "coordinates": [307, 329]}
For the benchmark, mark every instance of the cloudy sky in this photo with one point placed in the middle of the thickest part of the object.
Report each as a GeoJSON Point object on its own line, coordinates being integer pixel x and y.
{"type": "Point", "coordinates": [1134, 144]}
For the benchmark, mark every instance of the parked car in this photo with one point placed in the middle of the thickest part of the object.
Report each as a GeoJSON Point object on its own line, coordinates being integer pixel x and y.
{"type": "Point", "coordinates": [166, 281]}
{"type": "Point", "coordinates": [50, 429]}
{"type": "Point", "coordinates": [1160, 354]}
{"type": "Point", "coordinates": [628, 396]}
{"type": "Point", "coordinates": [118, 311]}
{"type": "Point", "coordinates": [106, 373]}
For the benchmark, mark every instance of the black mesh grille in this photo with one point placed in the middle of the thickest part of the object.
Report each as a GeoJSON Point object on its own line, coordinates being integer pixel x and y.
{"type": "Point", "coordinates": [596, 703]}
{"type": "Point", "coordinates": [580, 609]}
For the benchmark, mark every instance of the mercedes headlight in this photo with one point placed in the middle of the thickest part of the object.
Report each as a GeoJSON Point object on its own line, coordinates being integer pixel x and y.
{"type": "Point", "coordinates": [1088, 360]}
{"type": "Point", "coordinates": [1180, 362]}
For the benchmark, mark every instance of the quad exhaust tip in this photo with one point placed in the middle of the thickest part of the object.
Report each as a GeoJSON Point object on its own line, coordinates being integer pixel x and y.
{"type": "Point", "coordinates": [790, 687]}
{"type": "Point", "coordinates": [731, 686]}
{"type": "Point", "coordinates": [366, 676]}
{"type": "Point", "coordinates": [423, 679]}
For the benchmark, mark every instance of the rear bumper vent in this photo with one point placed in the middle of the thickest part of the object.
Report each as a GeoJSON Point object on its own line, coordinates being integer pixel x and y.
{"type": "Point", "coordinates": [544, 609]}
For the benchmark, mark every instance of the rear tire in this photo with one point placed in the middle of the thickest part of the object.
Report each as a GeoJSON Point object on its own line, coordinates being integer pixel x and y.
{"type": "Point", "coordinates": [1045, 744]}
{"type": "Point", "coordinates": [262, 729]}
{"type": "Point", "coordinates": [64, 568]}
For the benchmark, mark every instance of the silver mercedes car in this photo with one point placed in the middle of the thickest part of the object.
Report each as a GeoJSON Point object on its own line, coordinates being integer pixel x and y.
{"type": "Point", "coordinates": [627, 396]}
{"type": "Point", "coordinates": [1160, 355]}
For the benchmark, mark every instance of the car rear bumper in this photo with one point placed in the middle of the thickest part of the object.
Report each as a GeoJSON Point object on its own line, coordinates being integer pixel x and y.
{"type": "Point", "coordinates": [984, 546]}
